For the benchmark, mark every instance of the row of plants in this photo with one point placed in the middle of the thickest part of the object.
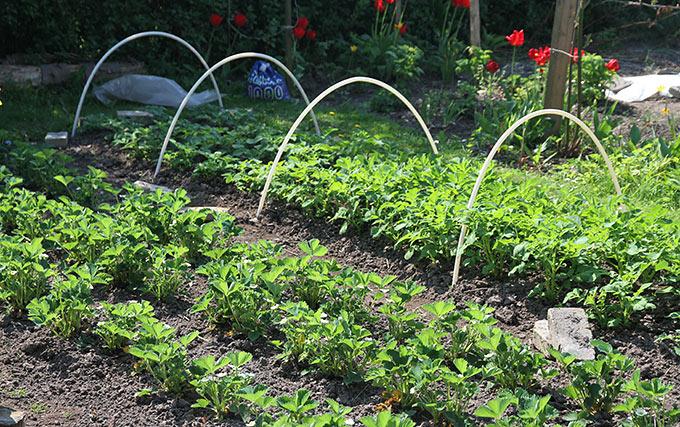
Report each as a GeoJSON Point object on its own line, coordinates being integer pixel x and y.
{"type": "Point", "coordinates": [610, 254]}
{"type": "Point", "coordinates": [323, 318]}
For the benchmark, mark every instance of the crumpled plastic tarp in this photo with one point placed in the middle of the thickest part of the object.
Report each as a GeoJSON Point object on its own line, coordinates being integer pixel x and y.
{"type": "Point", "coordinates": [150, 90]}
{"type": "Point", "coordinates": [642, 87]}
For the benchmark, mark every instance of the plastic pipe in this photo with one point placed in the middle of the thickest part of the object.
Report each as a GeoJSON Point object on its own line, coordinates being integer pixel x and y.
{"type": "Point", "coordinates": [494, 150]}
{"type": "Point", "coordinates": [209, 73]}
{"type": "Point", "coordinates": [316, 101]}
{"type": "Point", "coordinates": [129, 39]}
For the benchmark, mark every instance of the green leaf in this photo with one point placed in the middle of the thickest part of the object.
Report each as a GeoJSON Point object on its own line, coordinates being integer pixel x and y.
{"type": "Point", "coordinates": [313, 248]}
{"type": "Point", "coordinates": [495, 408]}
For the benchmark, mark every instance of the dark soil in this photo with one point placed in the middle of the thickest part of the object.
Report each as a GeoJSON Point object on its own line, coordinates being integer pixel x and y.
{"type": "Point", "coordinates": [75, 382]}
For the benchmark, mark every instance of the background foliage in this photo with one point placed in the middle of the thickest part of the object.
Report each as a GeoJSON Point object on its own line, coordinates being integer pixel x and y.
{"type": "Point", "coordinates": [77, 29]}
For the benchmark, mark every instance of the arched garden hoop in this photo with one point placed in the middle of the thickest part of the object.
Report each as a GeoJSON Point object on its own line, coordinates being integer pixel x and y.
{"type": "Point", "coordinates": [494, 150]}
{"type": "Point", "coordinates": [318, 99]}
{"type": "Point", "coordinates": [129, 39]}
{"type": "Point", "coordinates": [209, 73]}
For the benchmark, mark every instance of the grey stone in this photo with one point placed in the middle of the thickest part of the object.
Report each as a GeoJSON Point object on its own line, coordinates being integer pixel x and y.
{"type": "Point", "coordinates": [135, 114]}
{"type": "Point", "coordinates": [151, 187]}
{"type": "Point", "coordinates": [618, 84]}
{"type": "Point", "coordinates": [674, 91]}
{"type": "Point", "coordinates": [542, 339]}
{"type": "Point", "coordinates": [56, 139]}
{"type": "Point", "coordinates": [570, 332]}
{"type": "Point", "coordinates": [11, 418]}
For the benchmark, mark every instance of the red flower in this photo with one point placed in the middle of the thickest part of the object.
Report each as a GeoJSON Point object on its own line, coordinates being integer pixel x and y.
{"type": "Point", "coordinates": [540, 56]}
{"type": "Point", "coordinates": [516, 38]}
{"type": "Point", "coordinates": [240, 20]}
{"type": "Point", "coordinates": [298, 32]}
{"type": "Point", "coordinates": [390, 1]}
{"type": "Point", "coordinates": [575, 56]}
{"type": "Point", "coordinates": [215, 19]}
{"type": "Point", "coordinates": [402, 30]}
{"type": "Point", "coordinates": [379, 5]}
{"type": "Point", "coordinates": [492, 66]}
{"type": "Point", "coordinates": [302, 23]}
{"type": "Point", "coordinates": [613, 65]}
{"type": "Point", "coordinates": [311, 34]}
{"type": "Point", "coordinates": [461, 3]}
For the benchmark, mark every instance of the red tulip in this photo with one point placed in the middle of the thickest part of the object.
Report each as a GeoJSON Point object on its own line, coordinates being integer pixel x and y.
{"type": "Point", "coordinates": [240, 20]}
{"type": "Point", "coordinates": [379, 5]}
{"type": "Point", "coordinates": [402, 30]}
{"type": "Point", "coordinates": [215, 19]}
{"type": "Point", "coordinates": [575, 56]}
{"type": "Point", "coordinates": [492, 66]}
{"type": "Point", "coordinates": [461, 3]}
{"type": "Point", "coordinates": [540, 56]}
{"type": "Point", "coordinates": [311, 34]}
{"type": "Point", "coordinates": [302, 23]}
{"type": "Point", "coordinates": [613, 65]}
{"type": "Point", "coordinates": [298, 32]}
{"type": "Point", "coordinates": [516, 38]}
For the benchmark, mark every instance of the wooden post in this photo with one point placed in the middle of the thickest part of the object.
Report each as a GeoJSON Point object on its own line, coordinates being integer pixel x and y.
{"type": "Point", "coordinates": [562, 36]}
{"type": "Point", "coordinates": [288, 38]}
{"type": "Point", "coordinates": [475, 37]}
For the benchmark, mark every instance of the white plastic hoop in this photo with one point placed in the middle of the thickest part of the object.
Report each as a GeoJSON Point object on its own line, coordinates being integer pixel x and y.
{"type": "Point", "coordinates": [494, 150]}
{"type": "Point", "coordinates": [209, 73]}
{"type": "Point", "coordinates": [129, 39]}
{"type": "Point", "coordinates": [316, 101]}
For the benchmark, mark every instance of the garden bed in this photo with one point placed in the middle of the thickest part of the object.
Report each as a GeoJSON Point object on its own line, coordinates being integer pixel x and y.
{"type": "Point", "coordinates": [76, 381]}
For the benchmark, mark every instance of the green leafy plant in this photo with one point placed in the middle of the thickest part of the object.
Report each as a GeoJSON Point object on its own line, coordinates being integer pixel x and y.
{"type": "Point", "coordinates": [647, 405]}
{"type": "Point", "coordinates": [163, 356]}
{"type": "Point", "coordinates": [64, 307]}
{"type": "Point", "coordinates": [24, 271]}
{"type": "Point", "coordinates": [120, 324]}
{"type": "Point", "coordinates": [219, 390]}
{"type": "Point", "coordinates": [168, 271]}
{"type": "Point", "coordinates": [595, 384]}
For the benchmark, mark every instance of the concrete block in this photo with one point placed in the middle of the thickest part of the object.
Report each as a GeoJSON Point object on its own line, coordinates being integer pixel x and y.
{"type": "Point", "coordinates": [151, 187]}
{"type": "Point", "coordinates": [542, 339]}
{"type": "Point", "coordinates": [11, 418]}
{"type": "Point", "coordinates": [21, 74]}
{"type": "Point", "coordinates": [135, 114]}
{"type": "Point", "coordinates": [570, 332]}
{"type": "Point", "coordinates": [56, 139]}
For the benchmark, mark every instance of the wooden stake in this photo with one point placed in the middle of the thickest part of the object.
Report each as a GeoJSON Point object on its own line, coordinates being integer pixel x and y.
{"type": "Point", "coordinates": [288, 38]}
{"type": "Point", "coordinates": [475, 38]}
{"type": "Point", "coordinates": [562, 36]}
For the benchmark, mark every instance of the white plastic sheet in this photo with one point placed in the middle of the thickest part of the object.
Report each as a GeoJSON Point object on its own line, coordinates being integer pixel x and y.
{"type": "Point", "coordinates": [643, 87]}
{"type": "Point", "coordinates": [150, 90]}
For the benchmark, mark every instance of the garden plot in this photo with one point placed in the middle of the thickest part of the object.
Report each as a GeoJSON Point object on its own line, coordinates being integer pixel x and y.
{"type": "Point", "coordinates": [357, 309]}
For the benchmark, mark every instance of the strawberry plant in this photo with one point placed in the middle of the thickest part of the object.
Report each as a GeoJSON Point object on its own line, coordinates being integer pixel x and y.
{"type": "Point", "coordinates": [120, 324]}
{"type": "Point", "coordinates": [163, 356]}
{"type": "Point", "coordinates": [402, 322]}
{"type": "Point", "coordinates": [64, 307]}
{"type": "Point", "coordinates": [218, 390]}
{"type": "Point", "coordinates": [595, 384]}
{"type": "Point", "coordinates": [24, 271]}
{"type": "Point", "coordinates": [168, 270]}
{"type": "Point", "coordinates": [235, 297]}
{"type": "Point", "coordinates": [646, 406]}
